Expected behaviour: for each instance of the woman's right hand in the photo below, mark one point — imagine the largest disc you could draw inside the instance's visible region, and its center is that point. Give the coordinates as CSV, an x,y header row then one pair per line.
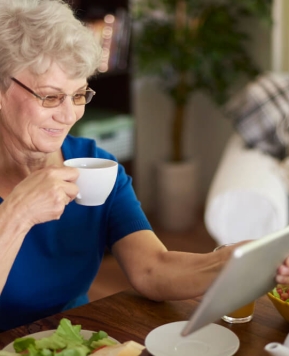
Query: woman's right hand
x,y
43,195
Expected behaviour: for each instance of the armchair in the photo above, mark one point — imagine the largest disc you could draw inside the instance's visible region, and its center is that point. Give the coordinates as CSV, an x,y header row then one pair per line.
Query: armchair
x,y
248,196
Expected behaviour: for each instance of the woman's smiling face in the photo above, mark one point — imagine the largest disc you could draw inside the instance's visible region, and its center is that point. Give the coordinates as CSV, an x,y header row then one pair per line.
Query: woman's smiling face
x,y
30,126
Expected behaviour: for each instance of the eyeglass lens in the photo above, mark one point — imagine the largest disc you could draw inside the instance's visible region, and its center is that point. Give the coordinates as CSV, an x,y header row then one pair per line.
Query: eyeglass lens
x,y
81,98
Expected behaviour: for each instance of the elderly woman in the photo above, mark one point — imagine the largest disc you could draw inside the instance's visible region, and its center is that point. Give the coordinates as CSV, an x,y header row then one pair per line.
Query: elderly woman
x,y
50,247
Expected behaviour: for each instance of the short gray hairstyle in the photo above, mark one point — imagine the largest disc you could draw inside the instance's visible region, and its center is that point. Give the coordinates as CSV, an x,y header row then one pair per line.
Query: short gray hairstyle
x,y
35,33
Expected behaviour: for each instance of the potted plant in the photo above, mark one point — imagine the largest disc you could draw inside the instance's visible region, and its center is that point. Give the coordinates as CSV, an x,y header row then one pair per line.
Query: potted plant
x,y
193,45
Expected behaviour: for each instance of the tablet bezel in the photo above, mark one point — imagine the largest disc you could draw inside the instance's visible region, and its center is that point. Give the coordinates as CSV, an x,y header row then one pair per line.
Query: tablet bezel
x,y
250,272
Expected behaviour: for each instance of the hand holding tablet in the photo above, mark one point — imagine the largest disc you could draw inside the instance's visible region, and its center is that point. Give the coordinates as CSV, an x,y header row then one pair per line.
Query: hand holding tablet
x,y
250,273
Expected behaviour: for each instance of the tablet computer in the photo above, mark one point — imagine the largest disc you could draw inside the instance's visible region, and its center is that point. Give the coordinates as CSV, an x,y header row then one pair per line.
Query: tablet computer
x,y
249,273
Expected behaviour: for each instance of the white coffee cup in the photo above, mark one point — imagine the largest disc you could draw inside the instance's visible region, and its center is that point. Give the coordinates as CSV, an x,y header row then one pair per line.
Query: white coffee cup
x,y
96,179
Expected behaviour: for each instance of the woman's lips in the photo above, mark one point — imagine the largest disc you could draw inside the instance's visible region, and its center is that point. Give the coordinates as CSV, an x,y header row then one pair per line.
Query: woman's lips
x,y
54,132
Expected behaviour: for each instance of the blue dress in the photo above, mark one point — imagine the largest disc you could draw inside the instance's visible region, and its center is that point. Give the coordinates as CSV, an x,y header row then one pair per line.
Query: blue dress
x,y
58,260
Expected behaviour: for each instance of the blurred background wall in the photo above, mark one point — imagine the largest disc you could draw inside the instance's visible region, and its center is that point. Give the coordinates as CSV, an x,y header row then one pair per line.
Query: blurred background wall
x,y
207,130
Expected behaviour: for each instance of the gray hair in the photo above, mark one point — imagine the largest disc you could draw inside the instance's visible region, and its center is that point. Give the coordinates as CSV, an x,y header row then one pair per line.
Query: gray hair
x,y
35,33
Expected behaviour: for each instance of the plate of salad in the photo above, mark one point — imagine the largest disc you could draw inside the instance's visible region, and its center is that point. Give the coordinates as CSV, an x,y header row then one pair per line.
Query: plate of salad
x,y
279,296
66,340
281,291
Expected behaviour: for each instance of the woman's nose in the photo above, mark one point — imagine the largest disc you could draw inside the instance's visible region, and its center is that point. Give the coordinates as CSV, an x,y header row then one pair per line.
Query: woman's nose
x,y
68,113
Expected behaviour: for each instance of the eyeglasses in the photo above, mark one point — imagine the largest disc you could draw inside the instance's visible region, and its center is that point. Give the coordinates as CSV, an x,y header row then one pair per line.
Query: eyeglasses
x,y
82,97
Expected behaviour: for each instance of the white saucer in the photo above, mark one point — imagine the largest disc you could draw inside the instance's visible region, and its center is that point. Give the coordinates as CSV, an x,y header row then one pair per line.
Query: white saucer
x,y
37,336
212,340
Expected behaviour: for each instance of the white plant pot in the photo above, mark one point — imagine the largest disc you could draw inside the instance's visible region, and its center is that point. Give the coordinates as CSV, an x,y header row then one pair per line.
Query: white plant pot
x,y
176,195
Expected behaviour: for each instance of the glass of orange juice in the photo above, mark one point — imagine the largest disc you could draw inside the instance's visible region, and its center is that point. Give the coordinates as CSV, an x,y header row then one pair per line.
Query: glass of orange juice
x,y
243,314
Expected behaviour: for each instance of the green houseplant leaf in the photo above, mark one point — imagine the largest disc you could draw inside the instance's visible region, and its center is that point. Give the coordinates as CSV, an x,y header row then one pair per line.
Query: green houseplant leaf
x,y
193,45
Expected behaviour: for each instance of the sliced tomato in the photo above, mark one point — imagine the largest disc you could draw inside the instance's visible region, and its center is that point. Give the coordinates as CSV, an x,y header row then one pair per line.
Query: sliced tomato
x,y
98,348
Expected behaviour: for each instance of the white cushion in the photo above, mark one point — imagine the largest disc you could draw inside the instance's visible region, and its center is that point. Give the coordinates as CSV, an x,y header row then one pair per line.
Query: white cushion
x,y
248,196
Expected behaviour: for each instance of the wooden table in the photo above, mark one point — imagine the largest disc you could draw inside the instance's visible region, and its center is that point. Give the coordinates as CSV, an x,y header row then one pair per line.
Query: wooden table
x,y
128,316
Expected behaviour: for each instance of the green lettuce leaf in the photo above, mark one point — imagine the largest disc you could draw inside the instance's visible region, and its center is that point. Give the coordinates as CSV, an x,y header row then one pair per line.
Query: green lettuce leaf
x,y
103,342
65,341
275,293
22,343
68,330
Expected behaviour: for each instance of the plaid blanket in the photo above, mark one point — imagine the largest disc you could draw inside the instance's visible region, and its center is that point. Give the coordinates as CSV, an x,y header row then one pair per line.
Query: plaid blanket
x,y
260,114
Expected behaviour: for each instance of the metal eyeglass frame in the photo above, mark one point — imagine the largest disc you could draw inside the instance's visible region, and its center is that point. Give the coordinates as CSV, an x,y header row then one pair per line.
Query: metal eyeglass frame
x,y
61,100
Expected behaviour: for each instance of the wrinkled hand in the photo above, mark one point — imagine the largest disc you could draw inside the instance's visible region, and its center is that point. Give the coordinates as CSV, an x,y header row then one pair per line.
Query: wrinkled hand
x,y
282,276
43,195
